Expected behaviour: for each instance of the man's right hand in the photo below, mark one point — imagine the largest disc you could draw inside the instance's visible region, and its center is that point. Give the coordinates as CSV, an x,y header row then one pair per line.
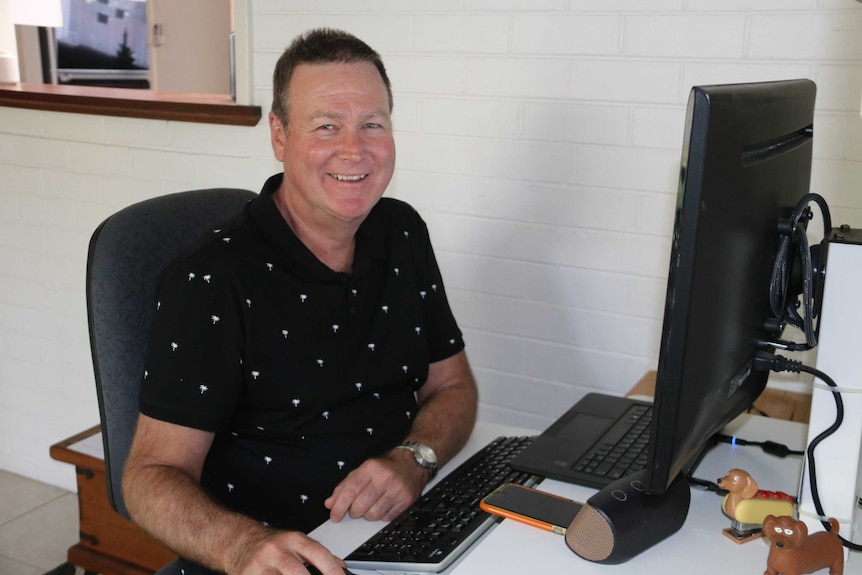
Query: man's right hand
x,y
285,553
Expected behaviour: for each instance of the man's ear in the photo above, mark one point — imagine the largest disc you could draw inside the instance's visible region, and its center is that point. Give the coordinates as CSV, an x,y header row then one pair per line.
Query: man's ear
x,y
278,136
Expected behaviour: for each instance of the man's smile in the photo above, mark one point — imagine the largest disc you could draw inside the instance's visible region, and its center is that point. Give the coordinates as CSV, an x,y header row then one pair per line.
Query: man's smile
x,y
347,178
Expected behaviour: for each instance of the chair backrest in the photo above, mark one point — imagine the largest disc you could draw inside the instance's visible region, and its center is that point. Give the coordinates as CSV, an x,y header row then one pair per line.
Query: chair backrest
x,y
127,255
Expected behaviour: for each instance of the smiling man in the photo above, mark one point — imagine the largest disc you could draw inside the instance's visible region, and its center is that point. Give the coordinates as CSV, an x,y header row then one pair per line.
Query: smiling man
x,y
335,380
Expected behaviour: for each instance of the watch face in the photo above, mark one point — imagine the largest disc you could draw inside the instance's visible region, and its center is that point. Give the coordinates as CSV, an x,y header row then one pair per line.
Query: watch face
x,y
427,454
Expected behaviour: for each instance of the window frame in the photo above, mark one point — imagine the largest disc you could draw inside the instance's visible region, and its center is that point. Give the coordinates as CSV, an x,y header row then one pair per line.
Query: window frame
x,y
130,103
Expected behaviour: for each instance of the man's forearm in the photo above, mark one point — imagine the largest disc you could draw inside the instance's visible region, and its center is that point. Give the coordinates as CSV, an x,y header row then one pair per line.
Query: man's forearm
x,y
447,413
171,506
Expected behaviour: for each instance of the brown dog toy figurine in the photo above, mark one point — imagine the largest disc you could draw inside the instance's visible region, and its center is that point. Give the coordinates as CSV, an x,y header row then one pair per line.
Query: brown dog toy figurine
x,y
794,552
747,505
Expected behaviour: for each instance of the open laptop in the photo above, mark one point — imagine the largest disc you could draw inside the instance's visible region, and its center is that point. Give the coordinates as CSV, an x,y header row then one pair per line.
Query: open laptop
x,y
598,424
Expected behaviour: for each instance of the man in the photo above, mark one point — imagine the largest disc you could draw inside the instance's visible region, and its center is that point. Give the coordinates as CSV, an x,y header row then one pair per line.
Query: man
x,y
297,348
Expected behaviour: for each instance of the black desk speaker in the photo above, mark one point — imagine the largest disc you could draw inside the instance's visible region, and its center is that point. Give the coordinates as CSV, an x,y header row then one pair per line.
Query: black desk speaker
x,y
621,521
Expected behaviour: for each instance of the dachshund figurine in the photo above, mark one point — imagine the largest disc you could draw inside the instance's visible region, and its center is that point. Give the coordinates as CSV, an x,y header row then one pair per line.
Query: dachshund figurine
x,y
794,552
747,505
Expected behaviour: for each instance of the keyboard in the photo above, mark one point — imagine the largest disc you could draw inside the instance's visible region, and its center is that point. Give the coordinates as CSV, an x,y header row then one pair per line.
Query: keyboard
x,y
446,520
623,449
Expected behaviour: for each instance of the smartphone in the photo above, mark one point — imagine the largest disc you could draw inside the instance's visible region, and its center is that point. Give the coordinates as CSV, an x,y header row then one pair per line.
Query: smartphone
x,y
537,508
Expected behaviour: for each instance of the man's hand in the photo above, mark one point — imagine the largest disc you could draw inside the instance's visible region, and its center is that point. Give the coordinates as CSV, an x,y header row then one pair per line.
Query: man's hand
x,y
285,552
383,487
380,488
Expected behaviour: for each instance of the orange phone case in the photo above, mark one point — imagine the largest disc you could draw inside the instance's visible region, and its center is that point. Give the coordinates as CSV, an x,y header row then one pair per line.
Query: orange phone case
x,y
489,508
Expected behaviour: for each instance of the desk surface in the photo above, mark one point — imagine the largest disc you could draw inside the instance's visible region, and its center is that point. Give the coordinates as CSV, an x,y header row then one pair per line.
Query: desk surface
x,y
516,549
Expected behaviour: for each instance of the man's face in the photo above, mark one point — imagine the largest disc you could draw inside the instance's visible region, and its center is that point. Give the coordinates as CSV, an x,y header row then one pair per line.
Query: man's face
x,y
338,151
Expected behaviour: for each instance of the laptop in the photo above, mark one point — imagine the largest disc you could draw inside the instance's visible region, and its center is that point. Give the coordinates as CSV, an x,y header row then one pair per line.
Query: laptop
x,y
597,425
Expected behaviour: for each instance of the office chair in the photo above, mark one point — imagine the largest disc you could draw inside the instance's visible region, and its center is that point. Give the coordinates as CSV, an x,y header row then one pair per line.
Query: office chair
x,y
127,254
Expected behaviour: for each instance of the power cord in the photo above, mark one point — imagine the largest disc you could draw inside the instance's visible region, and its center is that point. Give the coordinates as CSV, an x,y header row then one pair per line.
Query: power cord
x,y
706,485
794,228
764,361
770,447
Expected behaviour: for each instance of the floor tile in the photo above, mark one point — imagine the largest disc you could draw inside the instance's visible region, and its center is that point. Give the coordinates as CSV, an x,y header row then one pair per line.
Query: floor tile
x,y
18,495
9,566
42,536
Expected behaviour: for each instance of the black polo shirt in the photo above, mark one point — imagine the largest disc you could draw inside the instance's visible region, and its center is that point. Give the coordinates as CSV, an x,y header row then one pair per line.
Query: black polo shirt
x,y
302,372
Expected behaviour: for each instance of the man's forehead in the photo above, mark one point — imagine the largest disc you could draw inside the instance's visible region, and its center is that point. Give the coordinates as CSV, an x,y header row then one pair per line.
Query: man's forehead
x,y
324,89
339,115
331,70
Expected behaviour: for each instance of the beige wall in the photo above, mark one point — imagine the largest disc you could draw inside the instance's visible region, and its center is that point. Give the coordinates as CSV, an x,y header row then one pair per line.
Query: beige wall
x,y
193,53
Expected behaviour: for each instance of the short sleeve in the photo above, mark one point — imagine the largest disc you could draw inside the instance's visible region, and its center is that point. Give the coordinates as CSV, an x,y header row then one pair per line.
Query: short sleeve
x,y
193,371
444,336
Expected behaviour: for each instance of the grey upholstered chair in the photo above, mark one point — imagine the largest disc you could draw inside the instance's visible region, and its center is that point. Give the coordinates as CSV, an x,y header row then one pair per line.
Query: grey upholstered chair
x,y
127,254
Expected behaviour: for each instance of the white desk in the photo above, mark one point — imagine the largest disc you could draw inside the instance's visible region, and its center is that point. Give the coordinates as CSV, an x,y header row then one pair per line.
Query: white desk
x,y
518,549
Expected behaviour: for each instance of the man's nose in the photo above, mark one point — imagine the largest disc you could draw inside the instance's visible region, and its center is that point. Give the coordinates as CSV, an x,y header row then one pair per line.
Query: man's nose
x,y
351,146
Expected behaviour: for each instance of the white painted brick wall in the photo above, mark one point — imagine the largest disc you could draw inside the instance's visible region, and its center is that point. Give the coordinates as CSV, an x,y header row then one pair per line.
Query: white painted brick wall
x,y
551,33
539,138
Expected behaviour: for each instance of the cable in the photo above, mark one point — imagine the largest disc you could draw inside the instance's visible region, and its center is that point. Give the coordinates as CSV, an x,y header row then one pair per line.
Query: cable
x,y
779,285
781,363
706,485
770,447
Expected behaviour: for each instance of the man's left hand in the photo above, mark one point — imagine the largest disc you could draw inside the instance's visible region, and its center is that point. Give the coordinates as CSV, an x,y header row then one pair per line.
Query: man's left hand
x,y
379,489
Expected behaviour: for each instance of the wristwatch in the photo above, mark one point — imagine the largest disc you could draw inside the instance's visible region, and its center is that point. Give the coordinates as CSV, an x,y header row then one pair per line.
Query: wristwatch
x,y
423,454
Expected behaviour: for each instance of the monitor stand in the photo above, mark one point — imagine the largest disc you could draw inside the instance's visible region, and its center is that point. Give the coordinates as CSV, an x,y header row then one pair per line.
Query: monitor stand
x,y
621,521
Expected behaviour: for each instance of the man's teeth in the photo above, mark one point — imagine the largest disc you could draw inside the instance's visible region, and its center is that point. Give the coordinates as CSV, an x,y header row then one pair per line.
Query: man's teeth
x,y
343,178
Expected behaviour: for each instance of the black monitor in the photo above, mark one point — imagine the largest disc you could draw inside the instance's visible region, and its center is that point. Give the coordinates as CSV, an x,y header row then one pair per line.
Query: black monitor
x,y
746,163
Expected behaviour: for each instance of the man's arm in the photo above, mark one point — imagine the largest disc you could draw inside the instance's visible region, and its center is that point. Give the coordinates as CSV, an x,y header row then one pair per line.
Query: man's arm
x,y
161,487
447,407
383,487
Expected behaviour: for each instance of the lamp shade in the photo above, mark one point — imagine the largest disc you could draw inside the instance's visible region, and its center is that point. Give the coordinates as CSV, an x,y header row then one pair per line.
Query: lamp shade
x,y
47,13
9,73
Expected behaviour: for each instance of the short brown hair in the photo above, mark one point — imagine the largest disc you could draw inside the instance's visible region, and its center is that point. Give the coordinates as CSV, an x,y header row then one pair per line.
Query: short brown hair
x,y
321,46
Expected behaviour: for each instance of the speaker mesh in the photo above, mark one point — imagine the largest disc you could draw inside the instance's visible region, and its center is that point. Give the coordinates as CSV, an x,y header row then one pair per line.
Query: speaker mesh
x,y
590,535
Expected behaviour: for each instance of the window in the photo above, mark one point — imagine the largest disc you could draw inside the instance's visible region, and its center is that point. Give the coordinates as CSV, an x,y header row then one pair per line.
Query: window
x,y
215,108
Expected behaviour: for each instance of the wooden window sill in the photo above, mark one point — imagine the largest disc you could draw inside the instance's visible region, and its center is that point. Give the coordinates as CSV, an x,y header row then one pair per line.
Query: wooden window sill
x,y
204,108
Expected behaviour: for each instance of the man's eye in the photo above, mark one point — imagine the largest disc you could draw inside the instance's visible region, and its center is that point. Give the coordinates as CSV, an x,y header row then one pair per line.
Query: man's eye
x,y
326,127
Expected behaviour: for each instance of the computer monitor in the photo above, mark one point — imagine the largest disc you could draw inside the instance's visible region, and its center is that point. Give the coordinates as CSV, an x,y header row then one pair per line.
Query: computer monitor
x,y
746,163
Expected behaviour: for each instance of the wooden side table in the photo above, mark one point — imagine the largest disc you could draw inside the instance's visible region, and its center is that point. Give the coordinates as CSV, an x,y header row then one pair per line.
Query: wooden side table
x,y
109,544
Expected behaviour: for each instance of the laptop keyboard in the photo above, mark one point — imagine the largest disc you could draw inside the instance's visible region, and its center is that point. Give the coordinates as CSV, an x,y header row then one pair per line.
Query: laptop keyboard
x,y
446,520
623,449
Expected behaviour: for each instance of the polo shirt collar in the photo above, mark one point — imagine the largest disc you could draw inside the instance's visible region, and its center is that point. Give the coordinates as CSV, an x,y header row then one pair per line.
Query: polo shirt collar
x,y
370,238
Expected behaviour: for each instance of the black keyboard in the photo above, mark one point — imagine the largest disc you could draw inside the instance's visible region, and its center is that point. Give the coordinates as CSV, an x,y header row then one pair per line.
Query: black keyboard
x,y
623,449
446,520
